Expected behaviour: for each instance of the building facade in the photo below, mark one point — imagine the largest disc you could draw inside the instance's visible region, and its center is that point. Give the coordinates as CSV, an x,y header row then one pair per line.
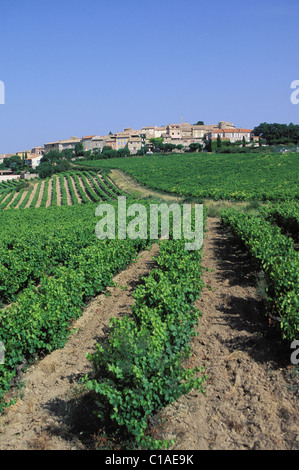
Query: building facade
x,y
182,134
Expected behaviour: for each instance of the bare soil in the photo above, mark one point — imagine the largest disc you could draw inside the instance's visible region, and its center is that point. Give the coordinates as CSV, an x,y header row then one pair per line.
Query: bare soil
x,y
41,192
32,195
251,394
58,190
49,199
68,195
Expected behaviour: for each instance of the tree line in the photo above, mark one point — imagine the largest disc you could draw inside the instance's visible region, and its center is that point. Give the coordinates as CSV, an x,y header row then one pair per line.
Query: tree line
x,y
275,134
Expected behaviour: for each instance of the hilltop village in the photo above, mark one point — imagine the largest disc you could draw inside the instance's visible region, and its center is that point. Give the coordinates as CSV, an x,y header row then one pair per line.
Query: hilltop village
x,y
179,135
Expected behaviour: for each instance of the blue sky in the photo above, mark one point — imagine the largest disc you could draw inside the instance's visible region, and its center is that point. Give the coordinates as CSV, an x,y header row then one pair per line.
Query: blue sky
x,y
75,68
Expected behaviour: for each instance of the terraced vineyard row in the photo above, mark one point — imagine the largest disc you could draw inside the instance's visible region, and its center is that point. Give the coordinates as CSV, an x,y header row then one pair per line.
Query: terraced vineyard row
x,y
60,190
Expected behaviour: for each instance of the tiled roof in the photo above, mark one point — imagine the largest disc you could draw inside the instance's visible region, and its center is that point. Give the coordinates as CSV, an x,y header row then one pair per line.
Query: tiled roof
x,y
218,131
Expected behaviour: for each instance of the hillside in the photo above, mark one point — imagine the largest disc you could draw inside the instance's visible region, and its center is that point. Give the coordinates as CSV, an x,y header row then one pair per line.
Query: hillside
x,y
216,176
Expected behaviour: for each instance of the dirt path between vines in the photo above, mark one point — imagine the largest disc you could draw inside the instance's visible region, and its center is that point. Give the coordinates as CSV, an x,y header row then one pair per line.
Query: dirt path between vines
x,y
49,198
32,194
68,194
41,193
129,185
251,395
50,415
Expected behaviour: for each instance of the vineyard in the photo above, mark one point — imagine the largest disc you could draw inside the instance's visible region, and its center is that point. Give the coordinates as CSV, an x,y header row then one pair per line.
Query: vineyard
x,y
235,177
60,190
52,267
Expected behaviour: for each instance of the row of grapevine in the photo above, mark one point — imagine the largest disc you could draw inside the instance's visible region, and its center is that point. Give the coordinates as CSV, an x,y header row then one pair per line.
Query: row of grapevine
x,y
51,264
285,215
8,185
141,369
65,189
277,257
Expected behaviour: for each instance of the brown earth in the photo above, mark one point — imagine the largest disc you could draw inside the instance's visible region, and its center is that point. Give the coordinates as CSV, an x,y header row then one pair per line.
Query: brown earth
x,y
68,195
32,195
251,394
58,191
41,193
49,198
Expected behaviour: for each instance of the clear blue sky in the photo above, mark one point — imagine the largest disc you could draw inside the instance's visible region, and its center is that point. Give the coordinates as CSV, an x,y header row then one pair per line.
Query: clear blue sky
x,y
75,68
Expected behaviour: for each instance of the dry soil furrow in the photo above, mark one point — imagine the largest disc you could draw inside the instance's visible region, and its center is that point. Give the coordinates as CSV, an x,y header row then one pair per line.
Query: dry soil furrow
x,y
31,196
58,190
68,194
251,399
49,200
41,192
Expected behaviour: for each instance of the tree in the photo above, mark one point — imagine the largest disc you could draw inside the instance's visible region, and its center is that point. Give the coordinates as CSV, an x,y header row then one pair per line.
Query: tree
x,y
278,133
157,143
199,123
106,148
14,163
195,147
45,170
218,141
125,152
52,156
168,147
79,151
67,154
62,166
144,149
243,142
